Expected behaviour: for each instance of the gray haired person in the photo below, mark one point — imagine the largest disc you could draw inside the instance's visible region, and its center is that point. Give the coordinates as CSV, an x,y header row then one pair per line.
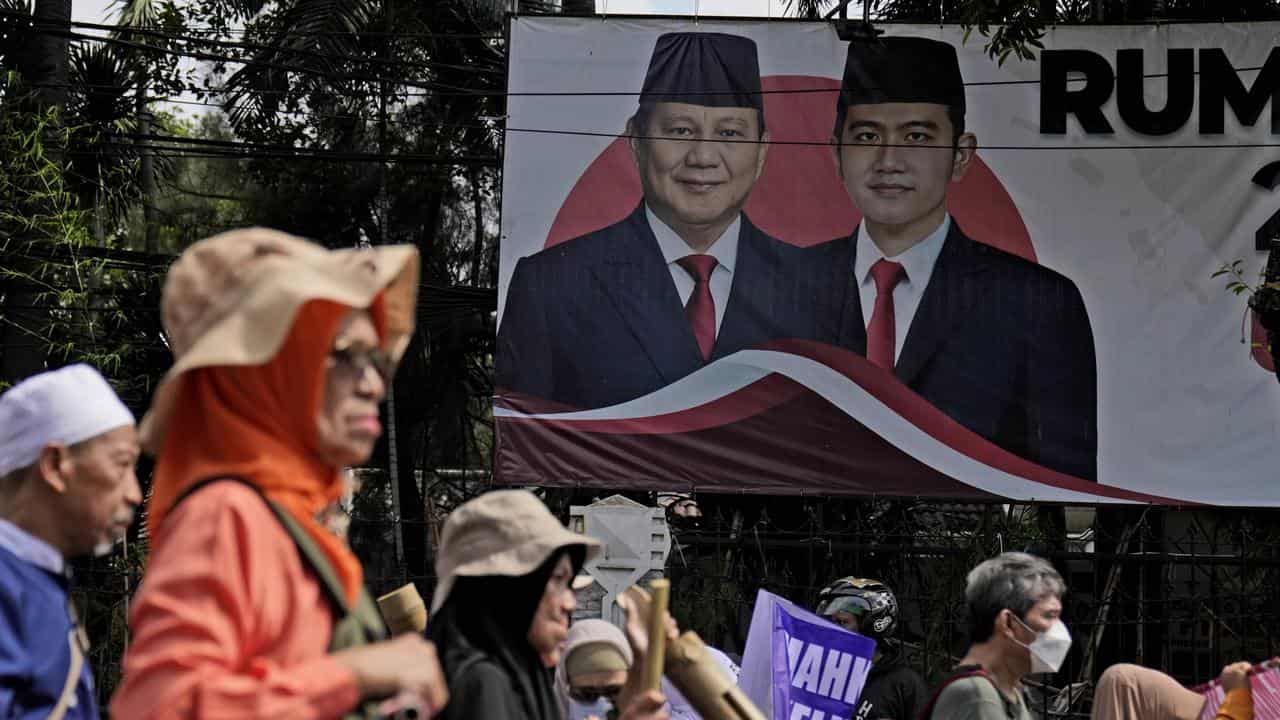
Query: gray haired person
x,y
1015,608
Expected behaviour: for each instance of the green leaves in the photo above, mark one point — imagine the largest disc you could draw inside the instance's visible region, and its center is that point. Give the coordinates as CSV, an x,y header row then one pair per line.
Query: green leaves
x,y
1019,27
1236,283
1263,297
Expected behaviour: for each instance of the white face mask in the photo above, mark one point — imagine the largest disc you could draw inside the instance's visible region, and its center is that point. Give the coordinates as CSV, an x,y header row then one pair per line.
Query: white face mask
x,y
1049,649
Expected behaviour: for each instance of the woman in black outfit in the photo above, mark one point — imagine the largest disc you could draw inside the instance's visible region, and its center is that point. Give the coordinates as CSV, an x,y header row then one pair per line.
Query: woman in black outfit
x,y
502,607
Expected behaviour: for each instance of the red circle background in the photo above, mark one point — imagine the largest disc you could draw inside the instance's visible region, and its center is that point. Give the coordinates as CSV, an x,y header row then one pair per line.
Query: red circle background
x,y
799,198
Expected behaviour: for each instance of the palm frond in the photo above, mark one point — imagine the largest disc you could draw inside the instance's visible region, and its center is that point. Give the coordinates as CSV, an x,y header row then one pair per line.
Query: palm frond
x,y
317,37
811,9
101,116
104,77
137,13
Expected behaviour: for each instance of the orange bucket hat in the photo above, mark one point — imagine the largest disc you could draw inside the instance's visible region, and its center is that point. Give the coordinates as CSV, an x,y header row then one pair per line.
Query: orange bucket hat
x,y
231,299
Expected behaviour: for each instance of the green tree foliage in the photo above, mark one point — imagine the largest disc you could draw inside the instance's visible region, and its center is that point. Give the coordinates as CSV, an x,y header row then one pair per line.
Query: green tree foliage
x,y
392,105
197,196
88,294
1013,28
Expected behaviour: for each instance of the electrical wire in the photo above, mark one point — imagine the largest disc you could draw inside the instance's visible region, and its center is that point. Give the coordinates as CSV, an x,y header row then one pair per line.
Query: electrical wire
x,y
153,32
732,141
468,91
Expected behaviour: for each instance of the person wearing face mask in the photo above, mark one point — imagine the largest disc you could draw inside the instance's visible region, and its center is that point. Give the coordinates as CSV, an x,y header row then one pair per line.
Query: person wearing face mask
x,y
250,606
67,489
593,668
893,691
500,612
1015,608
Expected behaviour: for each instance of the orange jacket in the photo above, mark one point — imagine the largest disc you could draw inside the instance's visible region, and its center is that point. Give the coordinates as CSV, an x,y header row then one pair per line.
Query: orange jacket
x,y
229,623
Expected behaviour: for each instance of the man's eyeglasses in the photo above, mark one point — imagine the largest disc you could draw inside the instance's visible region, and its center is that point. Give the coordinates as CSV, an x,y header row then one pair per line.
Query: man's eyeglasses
x,y
356,359
589,694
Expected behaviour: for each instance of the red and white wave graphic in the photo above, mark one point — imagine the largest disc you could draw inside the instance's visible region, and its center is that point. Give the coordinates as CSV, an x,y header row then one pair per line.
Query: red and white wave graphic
x,y
793,418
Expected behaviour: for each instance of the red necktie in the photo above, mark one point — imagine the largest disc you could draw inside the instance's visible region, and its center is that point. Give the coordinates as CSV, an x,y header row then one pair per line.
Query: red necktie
x,y
701,308
880,331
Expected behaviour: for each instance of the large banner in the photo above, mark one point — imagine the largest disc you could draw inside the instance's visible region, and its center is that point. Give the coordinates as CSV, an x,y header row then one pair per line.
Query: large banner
x,y
750,257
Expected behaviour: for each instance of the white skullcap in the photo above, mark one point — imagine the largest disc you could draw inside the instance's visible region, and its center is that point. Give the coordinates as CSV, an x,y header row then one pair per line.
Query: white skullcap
x,y
66,406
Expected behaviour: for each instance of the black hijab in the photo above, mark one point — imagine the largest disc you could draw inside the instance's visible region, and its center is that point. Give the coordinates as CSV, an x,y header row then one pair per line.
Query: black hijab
x,y
488,617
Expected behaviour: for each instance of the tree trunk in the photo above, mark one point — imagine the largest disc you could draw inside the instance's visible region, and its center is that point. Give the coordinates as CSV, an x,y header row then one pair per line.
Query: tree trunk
x,y
44,68
148,173
477,248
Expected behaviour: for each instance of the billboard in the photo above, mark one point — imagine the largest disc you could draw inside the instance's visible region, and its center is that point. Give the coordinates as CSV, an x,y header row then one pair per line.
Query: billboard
x,y
746,256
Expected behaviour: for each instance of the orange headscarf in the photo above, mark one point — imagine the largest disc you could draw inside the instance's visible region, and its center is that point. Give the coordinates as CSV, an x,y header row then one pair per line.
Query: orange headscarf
x,y
258,424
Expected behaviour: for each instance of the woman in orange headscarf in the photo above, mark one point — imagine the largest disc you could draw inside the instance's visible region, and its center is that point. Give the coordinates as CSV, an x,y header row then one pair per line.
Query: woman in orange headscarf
x,y
250,607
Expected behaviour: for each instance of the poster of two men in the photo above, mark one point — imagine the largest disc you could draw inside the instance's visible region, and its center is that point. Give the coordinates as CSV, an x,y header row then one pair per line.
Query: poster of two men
x,y
1000,344
748,256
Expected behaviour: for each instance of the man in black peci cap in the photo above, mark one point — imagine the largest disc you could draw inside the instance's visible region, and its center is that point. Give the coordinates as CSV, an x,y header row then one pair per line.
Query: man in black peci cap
x,y
1000,344
686,278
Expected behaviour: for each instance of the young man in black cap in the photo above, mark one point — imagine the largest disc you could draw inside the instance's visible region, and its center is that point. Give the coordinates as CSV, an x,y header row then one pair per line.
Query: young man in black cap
x,y
1000,344
686,278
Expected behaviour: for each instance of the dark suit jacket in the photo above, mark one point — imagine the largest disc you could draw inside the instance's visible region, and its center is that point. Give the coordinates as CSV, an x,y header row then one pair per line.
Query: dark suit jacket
x,y
1000,344
597,320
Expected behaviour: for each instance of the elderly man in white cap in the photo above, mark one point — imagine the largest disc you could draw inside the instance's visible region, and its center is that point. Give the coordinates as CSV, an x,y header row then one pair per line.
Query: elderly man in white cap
x,y
67,488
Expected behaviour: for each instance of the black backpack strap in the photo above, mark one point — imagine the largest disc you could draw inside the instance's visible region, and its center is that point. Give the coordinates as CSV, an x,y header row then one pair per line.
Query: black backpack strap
x,y
367,620
961,673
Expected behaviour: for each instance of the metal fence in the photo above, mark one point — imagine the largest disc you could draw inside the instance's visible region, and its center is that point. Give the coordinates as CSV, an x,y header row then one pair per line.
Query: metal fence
x,y
1184,591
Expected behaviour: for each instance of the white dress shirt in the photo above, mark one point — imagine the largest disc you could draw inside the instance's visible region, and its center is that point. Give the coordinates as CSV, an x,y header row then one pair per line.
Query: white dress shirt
x,y
917,263
725,251
30,549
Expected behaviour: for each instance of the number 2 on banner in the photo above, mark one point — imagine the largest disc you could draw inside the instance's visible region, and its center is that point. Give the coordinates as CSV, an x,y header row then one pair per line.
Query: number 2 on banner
x,y
1268,177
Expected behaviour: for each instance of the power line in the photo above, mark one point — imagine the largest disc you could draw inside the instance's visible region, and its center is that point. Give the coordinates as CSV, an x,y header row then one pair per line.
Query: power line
x,y
590,133
436,88
230,149
313,114
153,32
810,143
225,90
215,149
448,90
304,33
256,151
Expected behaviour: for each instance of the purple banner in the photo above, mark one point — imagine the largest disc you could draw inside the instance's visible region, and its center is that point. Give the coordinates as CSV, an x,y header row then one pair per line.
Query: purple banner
x,y
1264,686
818,669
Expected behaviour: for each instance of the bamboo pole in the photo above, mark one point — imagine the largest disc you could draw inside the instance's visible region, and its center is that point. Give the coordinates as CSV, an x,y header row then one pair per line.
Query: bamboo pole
x,y
660,591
